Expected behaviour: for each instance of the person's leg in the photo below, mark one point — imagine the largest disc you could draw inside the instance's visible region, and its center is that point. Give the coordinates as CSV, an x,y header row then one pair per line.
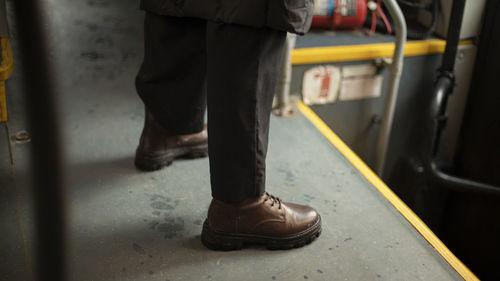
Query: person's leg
x,y
172,85
171,81
243,65
242,70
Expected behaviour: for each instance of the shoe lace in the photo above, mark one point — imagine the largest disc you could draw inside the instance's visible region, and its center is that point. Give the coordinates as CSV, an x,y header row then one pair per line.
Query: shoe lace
x,y
273,200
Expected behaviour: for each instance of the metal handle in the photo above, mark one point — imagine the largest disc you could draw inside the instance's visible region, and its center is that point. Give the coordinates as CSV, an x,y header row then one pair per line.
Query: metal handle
x,y
392,91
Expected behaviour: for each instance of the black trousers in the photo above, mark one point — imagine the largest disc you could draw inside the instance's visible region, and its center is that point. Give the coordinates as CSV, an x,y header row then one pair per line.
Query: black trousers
x,y
190,64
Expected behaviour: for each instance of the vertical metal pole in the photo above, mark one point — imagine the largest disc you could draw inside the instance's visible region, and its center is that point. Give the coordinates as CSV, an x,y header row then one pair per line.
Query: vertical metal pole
x,y
43,125
392,92
283,107
453,35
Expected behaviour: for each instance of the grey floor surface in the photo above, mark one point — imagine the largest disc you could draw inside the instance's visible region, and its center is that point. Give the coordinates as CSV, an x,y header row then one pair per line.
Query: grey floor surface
x,y
130,225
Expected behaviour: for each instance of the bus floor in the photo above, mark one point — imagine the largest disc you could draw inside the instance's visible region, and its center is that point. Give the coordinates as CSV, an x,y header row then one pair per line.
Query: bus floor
x,y
131,225
124,224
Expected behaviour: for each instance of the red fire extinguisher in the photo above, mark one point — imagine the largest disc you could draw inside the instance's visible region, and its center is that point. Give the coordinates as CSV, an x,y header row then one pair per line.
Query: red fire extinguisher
x,y
339,14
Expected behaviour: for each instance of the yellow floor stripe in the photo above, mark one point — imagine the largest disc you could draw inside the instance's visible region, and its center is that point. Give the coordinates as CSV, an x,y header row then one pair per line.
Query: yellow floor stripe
x,y
7,62
417,223
6,69
366,51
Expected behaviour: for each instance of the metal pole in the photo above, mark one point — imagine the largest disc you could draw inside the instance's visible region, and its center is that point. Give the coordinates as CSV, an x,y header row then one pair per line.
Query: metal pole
x,y
47,184
453,36
442,89
283,107
392,91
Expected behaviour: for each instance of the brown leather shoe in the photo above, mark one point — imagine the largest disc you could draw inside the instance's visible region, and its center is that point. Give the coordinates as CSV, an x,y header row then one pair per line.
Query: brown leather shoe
x,y
157,148
263,220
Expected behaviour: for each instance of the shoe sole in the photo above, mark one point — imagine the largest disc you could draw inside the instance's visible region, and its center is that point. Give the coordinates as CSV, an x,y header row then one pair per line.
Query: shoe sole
x,y
151,162
221,241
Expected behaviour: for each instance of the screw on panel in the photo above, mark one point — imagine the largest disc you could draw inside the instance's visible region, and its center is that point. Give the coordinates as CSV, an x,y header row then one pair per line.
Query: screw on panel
x,y
21,137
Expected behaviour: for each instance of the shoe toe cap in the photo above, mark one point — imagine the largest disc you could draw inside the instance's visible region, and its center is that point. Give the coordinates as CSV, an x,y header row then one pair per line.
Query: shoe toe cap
x,y
303,216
